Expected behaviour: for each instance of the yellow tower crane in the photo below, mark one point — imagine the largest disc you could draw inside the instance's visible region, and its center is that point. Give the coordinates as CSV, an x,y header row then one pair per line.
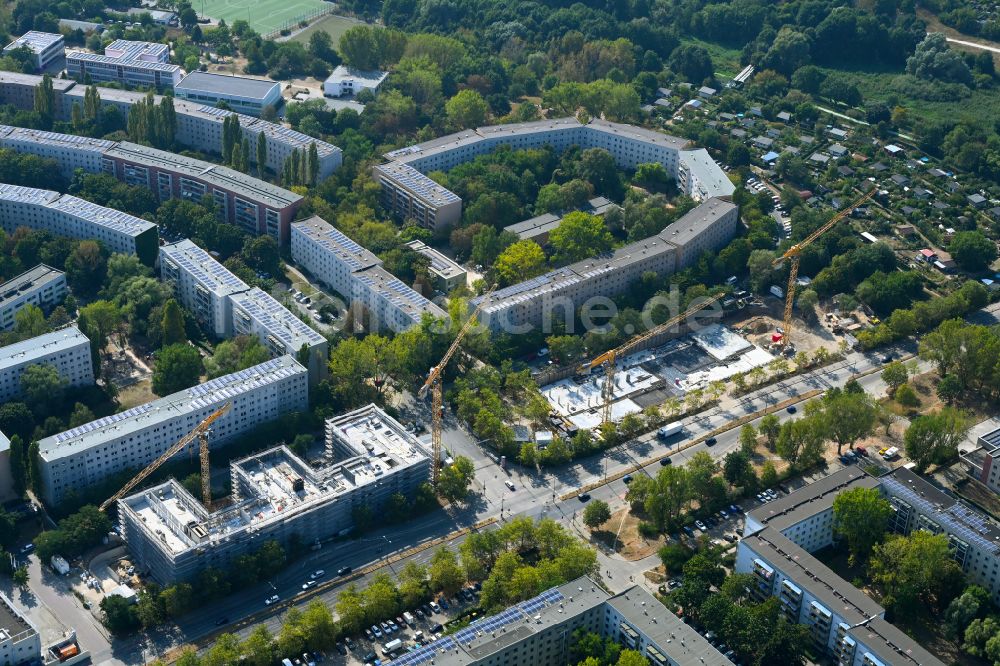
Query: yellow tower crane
x,y
201,434
433,382
794,254
611,356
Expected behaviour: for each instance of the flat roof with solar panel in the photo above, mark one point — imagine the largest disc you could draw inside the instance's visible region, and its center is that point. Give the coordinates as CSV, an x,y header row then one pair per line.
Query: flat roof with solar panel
x,y
333,240
54,139
201,266
220,84
278,320
389,287
110,218
284,134
31,280
167,408
42,346
416,182
38,42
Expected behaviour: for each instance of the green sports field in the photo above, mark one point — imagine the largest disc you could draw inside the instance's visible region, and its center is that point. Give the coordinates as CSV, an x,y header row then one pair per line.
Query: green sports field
x,y
265,16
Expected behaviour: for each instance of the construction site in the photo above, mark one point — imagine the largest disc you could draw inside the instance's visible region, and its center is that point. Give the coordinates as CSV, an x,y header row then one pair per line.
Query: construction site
x,y
369,456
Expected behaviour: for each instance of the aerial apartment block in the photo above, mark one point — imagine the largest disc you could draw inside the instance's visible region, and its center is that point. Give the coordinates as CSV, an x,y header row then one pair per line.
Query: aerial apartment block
x,y
369,457
44,46
67,350
780,537
524,306
128,63
226,306
66,215
84,456
18,90
357,275
255,206
41,286
70,151
241,93
411,194
447,272
7,491
20,642
201,284
540,631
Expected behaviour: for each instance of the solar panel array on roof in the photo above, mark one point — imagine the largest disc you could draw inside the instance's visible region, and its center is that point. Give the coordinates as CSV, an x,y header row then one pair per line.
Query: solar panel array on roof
x,y
103,422
30,195
513,615
113,219
424,654
54,138
276,318
285,134
419,184
203,267
956,519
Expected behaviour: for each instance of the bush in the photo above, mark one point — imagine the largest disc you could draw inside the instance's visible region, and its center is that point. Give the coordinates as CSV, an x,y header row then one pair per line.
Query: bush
x,y
648,530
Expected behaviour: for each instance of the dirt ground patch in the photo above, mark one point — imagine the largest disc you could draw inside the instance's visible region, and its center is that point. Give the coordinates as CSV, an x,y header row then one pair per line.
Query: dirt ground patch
x,y
621,534
759,327
935,25
137,394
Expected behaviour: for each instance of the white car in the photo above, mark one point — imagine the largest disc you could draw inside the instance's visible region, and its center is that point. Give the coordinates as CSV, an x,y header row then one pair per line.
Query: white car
x,y
308,585
319,573
700,525
273,599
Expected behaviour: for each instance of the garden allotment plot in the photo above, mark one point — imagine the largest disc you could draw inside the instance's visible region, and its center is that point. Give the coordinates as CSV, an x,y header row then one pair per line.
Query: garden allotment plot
x,y
265,16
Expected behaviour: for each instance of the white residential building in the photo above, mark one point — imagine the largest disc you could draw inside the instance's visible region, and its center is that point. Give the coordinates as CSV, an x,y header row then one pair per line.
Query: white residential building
x,y
20,642
70,151
329,255
45,46
67,350
66,215
42,286
348,81
201,284
255,312
391,303
129,63
369,457
79,458
447,273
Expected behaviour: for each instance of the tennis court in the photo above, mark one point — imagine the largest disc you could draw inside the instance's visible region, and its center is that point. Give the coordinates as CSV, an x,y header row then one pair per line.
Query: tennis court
x,y
265,16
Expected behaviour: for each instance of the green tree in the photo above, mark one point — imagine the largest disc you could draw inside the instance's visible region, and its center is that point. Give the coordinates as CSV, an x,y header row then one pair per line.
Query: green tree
x,y
467,109
596,513
381,597
521,261
737,470
631,658
261,157
456,479
20,577
861,517
18,460
42,384
579,236
45,100
964,608
120,617
972,250
748,440
351,609
29,322
446,575
848,417
934,438
895,375
413,584
177,367
915,573
173,323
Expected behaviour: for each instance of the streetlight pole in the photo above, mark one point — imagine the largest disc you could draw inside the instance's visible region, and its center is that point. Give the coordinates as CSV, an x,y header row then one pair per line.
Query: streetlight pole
x,y
387,553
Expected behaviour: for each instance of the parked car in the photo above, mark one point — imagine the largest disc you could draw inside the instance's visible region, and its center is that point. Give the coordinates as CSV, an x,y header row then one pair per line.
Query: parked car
x,y
309,584
273,599
444,603
735,510
711,441
627,478
376,631
700,525
369,634
319,573
343,571
665,461
583,497
435,607
791,409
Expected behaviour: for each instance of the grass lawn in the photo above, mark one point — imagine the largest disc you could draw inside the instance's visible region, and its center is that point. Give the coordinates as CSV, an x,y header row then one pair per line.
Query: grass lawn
x,y
332,24
265,16
726,60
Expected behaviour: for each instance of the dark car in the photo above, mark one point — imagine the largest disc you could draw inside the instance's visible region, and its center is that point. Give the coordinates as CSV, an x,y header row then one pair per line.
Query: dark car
x,y
665,461
688,530
221,621
791,409
443,603
887,358
419,613
370,657
341,648
627,478
343,571
437,628
583,497
711,441
427,610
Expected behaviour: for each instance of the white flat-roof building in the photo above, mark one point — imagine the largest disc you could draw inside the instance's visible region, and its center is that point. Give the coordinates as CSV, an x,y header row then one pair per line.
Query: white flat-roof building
x,y
66,215
70,151
558,294
255,312
129,63
329,255
408,193
391,303
447,273
369,457
241,93
45,46
201,284
20,642
42,286
67,350
79,458
347,81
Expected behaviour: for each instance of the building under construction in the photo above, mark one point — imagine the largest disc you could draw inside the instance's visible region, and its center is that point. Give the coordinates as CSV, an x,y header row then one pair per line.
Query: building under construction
x,y
369,456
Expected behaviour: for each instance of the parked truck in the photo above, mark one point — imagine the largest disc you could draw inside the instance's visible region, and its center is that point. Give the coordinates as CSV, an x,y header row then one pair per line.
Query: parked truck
x,y
392,646
59,565
777,291
670,430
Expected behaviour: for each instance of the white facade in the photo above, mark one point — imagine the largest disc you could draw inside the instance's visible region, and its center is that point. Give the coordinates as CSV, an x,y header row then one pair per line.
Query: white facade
x,y
201,284
447,273
348,81
71,152
329,255
145,64
42,286
20,642
89,454
66,215
390,303
46,46
242,94
67,350
276,495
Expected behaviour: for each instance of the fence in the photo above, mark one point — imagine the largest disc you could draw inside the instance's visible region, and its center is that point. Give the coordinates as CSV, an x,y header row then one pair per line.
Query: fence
x,y
293,23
